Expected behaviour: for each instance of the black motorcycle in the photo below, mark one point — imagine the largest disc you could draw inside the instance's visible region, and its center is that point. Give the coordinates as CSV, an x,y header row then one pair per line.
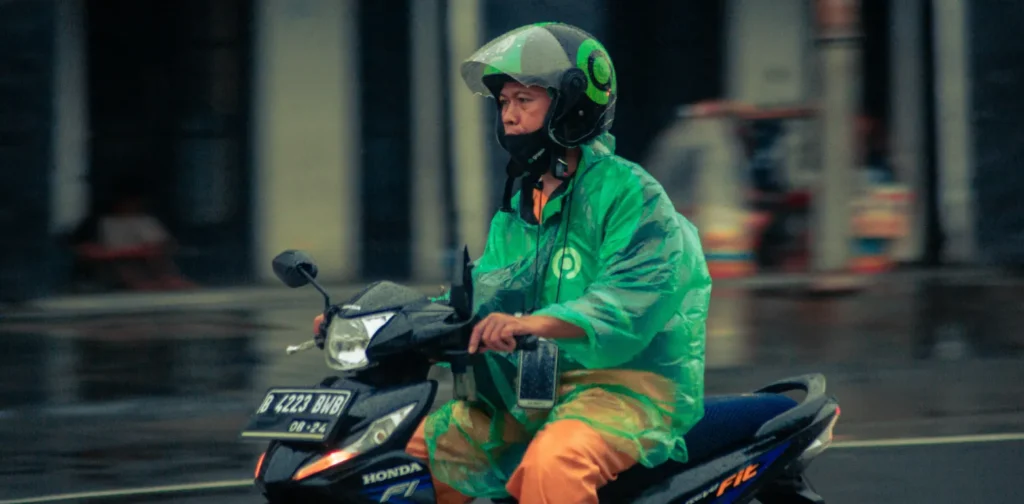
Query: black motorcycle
x,y
344,439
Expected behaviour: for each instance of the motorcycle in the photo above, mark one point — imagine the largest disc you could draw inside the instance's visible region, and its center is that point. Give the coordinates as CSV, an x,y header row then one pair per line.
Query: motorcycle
x,y
344,439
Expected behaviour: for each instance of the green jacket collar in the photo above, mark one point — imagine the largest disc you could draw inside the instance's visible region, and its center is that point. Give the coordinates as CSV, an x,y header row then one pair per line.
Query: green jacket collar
x,y
601,147
593,152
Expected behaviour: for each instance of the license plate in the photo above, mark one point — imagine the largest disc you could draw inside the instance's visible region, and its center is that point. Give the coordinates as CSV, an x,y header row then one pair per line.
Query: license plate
x,y
298,414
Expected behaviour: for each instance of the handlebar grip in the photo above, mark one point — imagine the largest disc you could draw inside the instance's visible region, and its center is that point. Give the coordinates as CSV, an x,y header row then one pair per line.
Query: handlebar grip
x,y
527,343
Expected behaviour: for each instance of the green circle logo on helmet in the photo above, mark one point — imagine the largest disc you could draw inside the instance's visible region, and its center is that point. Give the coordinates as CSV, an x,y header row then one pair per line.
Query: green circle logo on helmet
x,y
600,74
570,63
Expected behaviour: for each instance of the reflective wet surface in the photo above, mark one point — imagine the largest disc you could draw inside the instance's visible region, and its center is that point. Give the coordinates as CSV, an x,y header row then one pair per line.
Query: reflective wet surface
x,y
137,401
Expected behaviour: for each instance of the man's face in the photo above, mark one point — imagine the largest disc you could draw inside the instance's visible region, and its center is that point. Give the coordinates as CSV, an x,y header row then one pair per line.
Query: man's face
x,y
523,108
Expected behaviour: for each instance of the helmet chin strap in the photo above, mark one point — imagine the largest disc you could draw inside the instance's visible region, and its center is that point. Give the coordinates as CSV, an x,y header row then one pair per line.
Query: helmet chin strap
x,y
556,165
560,169
531,155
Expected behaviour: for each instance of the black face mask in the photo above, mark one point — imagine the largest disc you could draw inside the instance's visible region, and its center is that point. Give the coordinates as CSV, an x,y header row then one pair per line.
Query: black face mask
x,y
533,155
530,152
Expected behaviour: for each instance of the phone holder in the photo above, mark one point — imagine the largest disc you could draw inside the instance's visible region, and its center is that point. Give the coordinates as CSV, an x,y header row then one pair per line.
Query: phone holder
x,y
464,381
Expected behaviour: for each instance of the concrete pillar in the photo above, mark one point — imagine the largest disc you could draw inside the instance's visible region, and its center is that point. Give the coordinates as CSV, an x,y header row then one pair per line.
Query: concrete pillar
x,y
307,134
70,200
473,205
953,116
428,137
839,47
767,51
770,64
906,46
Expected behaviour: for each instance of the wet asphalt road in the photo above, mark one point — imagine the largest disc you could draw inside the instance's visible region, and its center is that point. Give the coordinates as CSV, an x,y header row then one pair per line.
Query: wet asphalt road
x,y
123,402
926,474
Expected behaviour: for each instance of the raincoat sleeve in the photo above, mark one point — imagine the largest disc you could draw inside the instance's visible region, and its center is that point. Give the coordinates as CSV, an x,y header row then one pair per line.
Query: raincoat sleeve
x,y
645,269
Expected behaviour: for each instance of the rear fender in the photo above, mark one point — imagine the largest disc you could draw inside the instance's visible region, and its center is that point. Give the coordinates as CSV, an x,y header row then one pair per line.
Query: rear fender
x,y
804,413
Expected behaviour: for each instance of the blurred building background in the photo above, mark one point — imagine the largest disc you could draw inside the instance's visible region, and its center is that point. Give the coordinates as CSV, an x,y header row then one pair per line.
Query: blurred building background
x,y
341,127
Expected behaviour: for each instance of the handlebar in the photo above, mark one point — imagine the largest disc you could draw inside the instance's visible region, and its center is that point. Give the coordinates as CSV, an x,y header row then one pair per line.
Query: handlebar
x,y
528,343
524,342
464,386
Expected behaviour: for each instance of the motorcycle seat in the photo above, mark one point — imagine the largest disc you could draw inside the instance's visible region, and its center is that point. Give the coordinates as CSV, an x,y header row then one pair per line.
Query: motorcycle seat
x,y
729,422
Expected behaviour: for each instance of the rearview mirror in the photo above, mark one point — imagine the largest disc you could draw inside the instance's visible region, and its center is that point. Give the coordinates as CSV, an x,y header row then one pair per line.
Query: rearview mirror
x,y
461,294
295,268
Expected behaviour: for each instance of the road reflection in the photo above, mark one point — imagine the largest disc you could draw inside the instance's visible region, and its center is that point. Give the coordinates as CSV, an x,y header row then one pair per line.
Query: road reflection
x,y
130,401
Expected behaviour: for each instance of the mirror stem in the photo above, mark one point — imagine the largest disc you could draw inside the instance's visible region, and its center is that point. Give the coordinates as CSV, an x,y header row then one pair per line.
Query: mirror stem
x,y
317,286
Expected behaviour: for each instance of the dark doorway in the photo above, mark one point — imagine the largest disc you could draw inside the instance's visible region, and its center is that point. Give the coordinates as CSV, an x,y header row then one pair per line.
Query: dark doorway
x,y
169,109
935,238
29,259
666,54
995,47
386,182
875,21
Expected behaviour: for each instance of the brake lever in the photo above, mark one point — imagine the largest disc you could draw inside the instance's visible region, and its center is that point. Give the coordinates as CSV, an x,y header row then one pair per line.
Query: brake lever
x,y
301,347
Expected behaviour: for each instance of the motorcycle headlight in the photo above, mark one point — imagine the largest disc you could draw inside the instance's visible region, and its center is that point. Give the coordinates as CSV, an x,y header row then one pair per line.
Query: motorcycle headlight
x,y
347,339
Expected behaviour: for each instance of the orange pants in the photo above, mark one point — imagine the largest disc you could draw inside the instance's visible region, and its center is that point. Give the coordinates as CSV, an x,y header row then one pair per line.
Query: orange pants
x,y
566,462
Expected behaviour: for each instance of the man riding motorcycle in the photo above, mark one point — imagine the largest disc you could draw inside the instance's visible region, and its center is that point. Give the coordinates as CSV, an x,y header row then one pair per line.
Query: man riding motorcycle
x,y
591,255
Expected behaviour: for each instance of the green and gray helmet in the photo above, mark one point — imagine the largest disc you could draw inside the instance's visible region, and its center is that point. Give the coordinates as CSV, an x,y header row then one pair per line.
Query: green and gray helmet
x,y
566,60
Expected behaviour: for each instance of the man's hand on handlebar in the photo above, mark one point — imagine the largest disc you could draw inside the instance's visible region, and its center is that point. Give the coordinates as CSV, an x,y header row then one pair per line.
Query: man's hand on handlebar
x,y
498,331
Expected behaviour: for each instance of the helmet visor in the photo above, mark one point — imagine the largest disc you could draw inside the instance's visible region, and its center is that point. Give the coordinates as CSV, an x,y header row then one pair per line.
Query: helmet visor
x,y
531,55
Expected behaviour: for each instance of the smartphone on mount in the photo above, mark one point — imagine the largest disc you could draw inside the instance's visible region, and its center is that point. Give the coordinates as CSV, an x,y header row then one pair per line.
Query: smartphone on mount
x,y
537,382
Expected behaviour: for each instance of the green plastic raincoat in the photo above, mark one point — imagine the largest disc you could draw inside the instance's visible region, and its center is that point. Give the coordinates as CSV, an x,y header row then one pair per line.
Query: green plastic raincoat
x,y
612,256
